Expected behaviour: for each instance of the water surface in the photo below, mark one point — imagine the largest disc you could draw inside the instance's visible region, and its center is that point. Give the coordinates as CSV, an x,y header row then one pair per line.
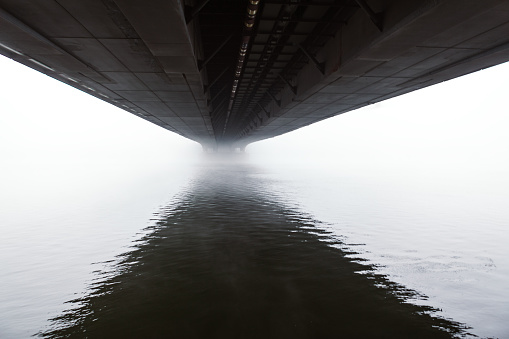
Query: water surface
x,y
242,249
230,258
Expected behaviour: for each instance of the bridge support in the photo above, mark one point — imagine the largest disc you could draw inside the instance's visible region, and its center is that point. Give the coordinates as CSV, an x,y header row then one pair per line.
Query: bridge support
x,y
209,149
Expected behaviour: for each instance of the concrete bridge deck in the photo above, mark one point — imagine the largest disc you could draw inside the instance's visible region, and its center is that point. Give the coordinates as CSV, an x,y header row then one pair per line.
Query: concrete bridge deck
x,y
232,72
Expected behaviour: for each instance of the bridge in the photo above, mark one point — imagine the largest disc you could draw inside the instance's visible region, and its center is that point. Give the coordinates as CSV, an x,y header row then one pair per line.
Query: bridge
x,y
226,73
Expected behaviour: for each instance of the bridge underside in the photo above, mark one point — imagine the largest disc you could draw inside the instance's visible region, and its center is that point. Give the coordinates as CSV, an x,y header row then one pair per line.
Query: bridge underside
x,y
232,72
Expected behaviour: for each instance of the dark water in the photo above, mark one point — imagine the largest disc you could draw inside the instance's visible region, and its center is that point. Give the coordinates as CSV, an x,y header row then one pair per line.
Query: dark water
x,y
229,258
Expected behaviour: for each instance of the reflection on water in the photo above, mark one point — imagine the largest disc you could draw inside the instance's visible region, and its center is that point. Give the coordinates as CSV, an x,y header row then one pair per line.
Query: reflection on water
x,y
230,259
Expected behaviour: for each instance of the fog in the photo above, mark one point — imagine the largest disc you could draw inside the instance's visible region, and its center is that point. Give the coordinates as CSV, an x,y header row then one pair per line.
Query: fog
x,y
44,120
80,179
459,125
55,137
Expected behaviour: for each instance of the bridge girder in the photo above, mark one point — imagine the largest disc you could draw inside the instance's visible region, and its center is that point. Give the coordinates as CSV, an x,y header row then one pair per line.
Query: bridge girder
x,y
232,72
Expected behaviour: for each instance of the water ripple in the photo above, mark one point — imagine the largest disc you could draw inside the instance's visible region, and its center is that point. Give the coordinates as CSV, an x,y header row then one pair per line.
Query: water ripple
x,y
230,259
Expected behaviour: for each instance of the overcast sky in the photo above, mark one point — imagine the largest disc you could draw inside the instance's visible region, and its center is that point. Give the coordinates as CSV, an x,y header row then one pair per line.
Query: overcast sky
x,y
459,124
463,122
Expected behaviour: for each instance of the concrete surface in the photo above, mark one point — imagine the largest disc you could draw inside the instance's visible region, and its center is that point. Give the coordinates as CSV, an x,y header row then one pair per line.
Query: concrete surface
x,y
172,64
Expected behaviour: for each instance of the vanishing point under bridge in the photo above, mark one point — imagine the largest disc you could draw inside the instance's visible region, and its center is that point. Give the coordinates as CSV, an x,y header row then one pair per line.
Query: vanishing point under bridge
x,y
227,73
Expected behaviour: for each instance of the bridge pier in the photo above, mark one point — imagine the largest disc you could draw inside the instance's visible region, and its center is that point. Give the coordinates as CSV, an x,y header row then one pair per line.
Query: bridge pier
x,y
223,149
238,149
209,149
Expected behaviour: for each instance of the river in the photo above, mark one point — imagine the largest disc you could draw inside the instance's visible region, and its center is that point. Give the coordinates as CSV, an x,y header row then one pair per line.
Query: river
x,y
229,247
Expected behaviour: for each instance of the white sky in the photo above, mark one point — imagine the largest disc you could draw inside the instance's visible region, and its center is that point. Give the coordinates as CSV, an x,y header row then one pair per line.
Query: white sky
x,y
42,119
456,125
463,122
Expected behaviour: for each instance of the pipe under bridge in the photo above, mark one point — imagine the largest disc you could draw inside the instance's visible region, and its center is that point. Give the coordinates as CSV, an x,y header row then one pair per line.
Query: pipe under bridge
x,y
227,73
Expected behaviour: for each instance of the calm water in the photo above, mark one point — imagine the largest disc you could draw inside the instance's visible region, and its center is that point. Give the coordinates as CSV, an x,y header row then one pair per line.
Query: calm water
x,y
237,250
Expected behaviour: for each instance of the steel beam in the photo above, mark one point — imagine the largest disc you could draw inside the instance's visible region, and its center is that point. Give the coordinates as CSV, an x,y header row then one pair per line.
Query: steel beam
x,y
216,79
319,65
193,12
292,87
278,102
202,64
375,17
